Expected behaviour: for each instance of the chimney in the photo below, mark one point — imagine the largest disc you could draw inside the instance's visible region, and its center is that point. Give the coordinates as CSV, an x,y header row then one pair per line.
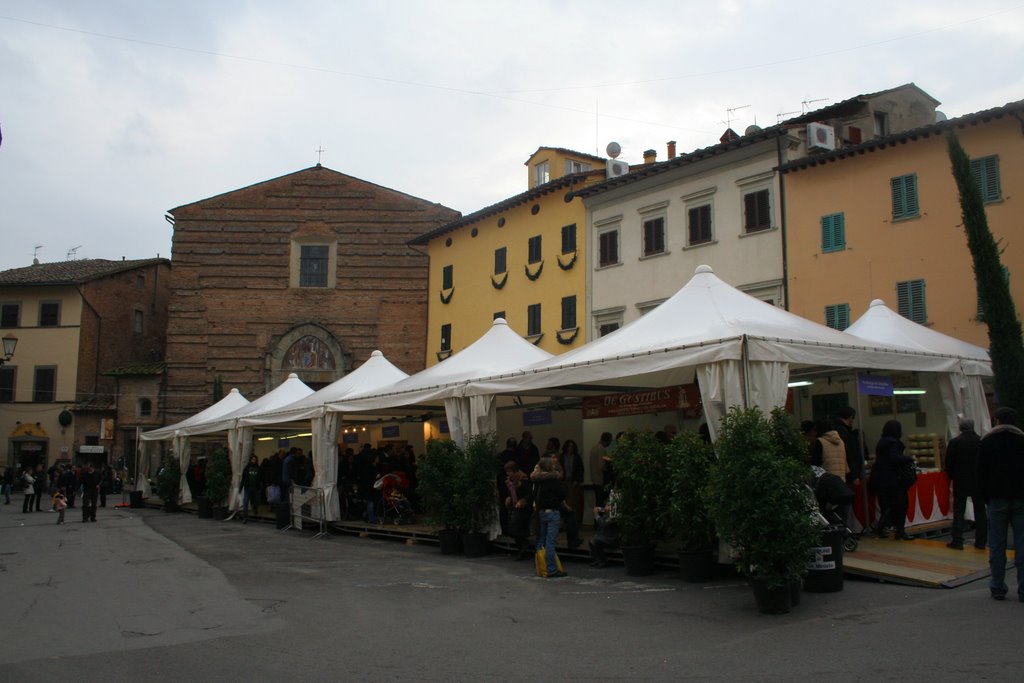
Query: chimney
x,y
671,149
650,156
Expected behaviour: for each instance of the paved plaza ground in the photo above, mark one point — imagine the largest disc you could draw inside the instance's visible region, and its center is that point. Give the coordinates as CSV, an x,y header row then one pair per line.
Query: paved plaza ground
x,y
145,595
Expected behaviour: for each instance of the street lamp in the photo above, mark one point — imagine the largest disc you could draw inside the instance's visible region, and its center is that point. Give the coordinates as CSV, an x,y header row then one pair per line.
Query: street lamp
x,y
9,344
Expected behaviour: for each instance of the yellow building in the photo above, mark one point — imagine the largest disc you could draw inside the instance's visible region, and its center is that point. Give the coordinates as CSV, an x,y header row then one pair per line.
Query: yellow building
x,y
521,259
882,220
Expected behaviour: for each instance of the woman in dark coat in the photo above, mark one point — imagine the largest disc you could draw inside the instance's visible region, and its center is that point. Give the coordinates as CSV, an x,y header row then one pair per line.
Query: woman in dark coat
x,y
892,492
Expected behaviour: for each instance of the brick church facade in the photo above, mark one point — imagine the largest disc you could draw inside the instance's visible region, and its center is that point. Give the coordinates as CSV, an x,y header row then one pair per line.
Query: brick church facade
x,y
306,273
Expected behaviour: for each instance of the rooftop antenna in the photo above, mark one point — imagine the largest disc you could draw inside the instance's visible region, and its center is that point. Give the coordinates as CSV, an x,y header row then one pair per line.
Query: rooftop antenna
x,y
729,114
805,106
319,153
70,256
35,253
784,114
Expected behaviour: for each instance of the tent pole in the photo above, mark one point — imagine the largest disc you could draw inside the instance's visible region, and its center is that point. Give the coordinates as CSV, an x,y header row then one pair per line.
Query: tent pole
x,y
746,373
860,454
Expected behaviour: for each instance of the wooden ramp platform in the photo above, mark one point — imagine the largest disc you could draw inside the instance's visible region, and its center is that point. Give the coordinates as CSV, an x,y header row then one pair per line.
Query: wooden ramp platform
x,y
922,562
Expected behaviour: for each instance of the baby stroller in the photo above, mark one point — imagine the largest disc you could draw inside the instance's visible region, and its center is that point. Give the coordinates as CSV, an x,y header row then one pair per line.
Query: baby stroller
x,y
834,500
395,504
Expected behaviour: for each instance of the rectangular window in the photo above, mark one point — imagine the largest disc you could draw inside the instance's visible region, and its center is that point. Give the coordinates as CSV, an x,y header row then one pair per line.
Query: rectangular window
x,y
654,236
833,232
986,175
314,260
447,277
756,212
699,226
49,314
10,315
576,166
608,248
533,319
568,238
910,300
904,196
534,255
499,314
446,337
8,375
881,121
837,316
568,312
500,258
541,173
607,328
138,322
140,282
44,388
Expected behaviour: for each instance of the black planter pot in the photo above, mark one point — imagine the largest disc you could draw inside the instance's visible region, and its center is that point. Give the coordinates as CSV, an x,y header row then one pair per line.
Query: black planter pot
x,y
639,559
204,509
775,600
450,541
795,588
697,566
170,506
475,544
220,513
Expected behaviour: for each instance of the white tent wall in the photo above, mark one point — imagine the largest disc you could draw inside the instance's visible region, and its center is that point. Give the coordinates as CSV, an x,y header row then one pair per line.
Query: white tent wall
x,y
147,452
239,449
325,461
182,451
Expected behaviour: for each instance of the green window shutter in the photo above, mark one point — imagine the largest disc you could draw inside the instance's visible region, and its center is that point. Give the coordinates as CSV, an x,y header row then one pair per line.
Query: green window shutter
x,y
910,301
837,316
833,232
904,196
986,175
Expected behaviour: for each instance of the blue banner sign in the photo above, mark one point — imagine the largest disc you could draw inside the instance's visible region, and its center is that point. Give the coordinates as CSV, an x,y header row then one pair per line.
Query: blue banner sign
x,y
351,437
532,418
390,432
444,427
874,385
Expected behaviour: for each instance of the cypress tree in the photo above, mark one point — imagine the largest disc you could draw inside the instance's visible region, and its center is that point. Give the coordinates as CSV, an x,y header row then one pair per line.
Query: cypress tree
x,y
1006,342
218,388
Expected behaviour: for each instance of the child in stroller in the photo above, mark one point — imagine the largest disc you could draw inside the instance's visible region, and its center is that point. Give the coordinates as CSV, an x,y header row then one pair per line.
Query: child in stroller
x,y
834,500
395,503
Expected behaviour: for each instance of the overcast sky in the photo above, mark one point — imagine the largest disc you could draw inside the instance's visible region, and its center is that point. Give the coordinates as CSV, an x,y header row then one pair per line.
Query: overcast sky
x,y
115,111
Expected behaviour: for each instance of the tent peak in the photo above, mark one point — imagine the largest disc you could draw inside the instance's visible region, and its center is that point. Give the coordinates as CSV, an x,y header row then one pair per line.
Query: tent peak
x,y
376,354
499,321
703,269
876,302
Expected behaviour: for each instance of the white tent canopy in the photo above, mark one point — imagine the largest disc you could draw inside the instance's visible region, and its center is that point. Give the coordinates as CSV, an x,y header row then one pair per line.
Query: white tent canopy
x,y
376,372
499,350
740,348
240,437
962,390
230,403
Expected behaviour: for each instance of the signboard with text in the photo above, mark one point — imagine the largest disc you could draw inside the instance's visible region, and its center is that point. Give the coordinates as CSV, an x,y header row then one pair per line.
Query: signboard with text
x,y
685,399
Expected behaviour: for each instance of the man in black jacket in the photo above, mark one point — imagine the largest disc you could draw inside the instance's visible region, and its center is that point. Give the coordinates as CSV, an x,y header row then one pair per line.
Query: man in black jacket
x,y
851,441
1001,484
962,468
90,492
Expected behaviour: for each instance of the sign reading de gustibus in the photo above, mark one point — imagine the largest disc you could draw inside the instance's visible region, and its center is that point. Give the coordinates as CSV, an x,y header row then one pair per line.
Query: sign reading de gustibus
x,y
684,398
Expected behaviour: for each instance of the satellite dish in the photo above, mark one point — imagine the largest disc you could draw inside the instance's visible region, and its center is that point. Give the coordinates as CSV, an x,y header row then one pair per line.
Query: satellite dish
x,y
752,129
613,149
940,116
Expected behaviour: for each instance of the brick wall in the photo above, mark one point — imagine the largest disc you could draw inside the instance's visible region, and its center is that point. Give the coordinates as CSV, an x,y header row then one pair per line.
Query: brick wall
x,y
232,304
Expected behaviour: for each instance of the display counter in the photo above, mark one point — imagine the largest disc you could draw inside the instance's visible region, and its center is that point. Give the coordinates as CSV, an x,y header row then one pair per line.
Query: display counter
x,y
928,501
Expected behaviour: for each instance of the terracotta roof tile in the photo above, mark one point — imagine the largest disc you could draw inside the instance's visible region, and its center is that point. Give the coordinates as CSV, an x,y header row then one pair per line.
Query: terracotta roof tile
x,y
70,272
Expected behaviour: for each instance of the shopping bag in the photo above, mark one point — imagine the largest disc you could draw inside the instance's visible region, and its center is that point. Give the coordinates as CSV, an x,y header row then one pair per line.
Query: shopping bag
x,y
273,494
541,562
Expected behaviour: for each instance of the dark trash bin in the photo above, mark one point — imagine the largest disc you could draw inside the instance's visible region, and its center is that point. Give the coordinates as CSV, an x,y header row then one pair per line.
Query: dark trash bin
x,y
282,513
825,568
135,499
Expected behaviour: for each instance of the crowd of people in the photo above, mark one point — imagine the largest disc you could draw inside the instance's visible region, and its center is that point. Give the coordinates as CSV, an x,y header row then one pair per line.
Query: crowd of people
x,y
61,486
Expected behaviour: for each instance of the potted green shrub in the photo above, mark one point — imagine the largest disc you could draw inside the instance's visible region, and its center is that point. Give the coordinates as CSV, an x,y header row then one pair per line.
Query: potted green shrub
x,y
641,482
437,474
690,460
218,482
168,483
476,495
760,503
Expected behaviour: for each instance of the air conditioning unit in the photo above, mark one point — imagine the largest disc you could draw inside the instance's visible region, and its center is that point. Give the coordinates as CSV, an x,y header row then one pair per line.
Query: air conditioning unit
x,y
820,136
615,168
